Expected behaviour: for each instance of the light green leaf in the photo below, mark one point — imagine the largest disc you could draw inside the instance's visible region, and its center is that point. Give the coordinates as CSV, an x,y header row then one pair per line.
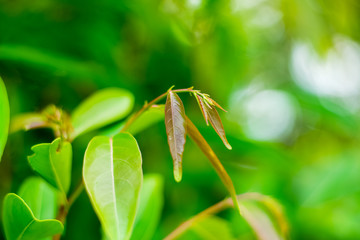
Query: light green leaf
x,y
53,162
112,175
21,224
209,228
151,116
40,196
151,203
4,117
27,121
265,218
104,107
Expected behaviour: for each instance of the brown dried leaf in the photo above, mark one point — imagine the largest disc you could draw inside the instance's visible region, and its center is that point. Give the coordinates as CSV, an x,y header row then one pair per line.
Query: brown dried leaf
x,y
210,154
176,131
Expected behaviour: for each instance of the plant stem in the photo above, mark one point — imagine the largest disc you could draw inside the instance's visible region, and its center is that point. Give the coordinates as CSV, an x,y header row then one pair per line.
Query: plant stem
x,y
218,207
148,105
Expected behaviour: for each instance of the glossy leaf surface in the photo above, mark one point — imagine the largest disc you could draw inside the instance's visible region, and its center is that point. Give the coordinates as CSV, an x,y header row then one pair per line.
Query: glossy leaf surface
x,y
104,107
40,196
4,117
53,162
210,154
21,224
176,131
149,212
112,175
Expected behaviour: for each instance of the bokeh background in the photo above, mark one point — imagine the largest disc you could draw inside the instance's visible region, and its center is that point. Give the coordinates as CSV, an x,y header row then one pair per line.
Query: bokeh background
x,y
287,71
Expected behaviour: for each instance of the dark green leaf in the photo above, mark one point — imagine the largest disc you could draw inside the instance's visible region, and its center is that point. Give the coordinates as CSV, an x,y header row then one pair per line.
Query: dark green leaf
x,y
21,224
176,131
113,176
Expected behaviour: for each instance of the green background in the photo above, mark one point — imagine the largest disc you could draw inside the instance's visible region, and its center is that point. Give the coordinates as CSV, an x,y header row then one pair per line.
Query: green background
x,y
285,70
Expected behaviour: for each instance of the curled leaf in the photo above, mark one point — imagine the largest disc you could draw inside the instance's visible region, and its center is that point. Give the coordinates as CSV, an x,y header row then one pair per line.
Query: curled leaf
x,y
27,121
201,103
176,131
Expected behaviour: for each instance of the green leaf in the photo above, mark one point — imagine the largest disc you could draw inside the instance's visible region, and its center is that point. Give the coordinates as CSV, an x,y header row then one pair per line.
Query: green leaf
x,y
40,196
4,117
112,175
21,224
263,217
210,154
27,121
53,162
176,131
104,107
209,228
150,206
151,116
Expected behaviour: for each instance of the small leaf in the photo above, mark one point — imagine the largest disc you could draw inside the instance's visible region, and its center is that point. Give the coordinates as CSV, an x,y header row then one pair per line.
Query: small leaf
x,y
176,131
216,123
53,162
112,175
20,223
27,121
40,196
149,212
104,107
201,103
4,117
209,153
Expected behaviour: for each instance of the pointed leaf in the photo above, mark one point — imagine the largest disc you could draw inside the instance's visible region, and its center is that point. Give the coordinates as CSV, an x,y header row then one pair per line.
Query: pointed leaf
x,y
209,153
104,107
176,131
151,203
112,175
40,196
201,103
21,224
53,162
4,117
217,124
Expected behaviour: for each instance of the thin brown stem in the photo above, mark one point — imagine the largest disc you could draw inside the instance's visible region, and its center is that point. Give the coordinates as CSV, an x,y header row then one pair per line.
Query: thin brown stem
x,y
218,207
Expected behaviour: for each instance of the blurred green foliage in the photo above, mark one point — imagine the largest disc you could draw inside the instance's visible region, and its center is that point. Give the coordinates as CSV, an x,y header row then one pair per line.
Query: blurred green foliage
x,y
285,70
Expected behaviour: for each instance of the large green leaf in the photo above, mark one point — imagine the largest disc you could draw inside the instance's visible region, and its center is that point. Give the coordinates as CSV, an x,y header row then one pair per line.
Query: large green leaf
x,y
53,162
151,203
112,175
176,131
104,107
40,196
4,117
21,224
